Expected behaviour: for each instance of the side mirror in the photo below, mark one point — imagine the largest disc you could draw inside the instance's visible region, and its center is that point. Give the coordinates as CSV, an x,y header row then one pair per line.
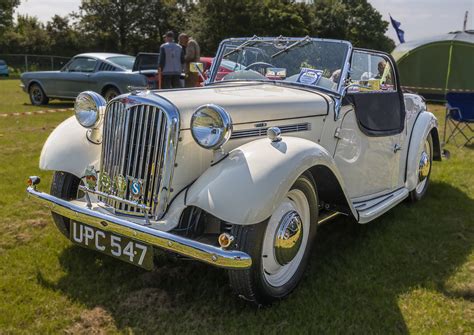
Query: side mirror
x,y
196,67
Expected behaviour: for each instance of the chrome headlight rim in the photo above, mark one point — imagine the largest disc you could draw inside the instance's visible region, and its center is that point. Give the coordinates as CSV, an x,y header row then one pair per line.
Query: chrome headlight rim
x,y
226,129
89,108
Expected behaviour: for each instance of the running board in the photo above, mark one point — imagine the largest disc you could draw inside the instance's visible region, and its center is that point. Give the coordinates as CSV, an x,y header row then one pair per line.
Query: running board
x,y
373,208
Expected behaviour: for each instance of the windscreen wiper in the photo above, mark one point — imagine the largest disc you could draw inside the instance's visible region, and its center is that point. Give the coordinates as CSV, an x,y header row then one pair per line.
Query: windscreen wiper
x,y
243,45
291,46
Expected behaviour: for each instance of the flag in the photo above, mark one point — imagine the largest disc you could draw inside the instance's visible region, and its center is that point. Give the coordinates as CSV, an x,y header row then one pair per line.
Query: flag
x,y
400,33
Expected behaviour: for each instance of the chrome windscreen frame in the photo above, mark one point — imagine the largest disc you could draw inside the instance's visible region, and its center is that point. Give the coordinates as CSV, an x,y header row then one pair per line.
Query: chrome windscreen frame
x,y
342,80
171,113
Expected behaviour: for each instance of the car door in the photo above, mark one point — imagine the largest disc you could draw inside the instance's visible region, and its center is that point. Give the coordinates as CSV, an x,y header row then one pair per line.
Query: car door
x,y
368,150
77,76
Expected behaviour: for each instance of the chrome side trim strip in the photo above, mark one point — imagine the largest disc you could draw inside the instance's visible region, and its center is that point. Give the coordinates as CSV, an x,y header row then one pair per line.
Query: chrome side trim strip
x,y
263,131
229,259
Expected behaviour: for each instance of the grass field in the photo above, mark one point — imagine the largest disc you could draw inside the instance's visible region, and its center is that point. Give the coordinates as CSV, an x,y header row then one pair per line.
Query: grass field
x,y
17,101
411,271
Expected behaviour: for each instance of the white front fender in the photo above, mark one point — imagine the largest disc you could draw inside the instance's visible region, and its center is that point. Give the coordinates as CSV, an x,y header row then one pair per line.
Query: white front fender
x,y
68,149
247,186
425,122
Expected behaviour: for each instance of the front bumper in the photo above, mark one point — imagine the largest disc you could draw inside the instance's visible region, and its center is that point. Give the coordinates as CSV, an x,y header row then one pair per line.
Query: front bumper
x,y
229,259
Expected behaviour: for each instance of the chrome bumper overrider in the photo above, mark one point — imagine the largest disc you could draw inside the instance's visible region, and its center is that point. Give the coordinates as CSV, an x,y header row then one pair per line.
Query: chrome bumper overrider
x,y
230,259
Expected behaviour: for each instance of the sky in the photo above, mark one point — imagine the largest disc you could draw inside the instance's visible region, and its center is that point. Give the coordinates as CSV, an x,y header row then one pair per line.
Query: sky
x,y
419,18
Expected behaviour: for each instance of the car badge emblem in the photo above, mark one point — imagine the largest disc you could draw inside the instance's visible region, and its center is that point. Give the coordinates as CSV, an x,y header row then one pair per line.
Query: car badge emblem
x,y
120,186
104,182
136,189
91,177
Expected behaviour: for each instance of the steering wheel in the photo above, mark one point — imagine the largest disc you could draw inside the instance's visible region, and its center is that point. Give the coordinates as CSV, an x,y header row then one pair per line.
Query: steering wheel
x,y
259,65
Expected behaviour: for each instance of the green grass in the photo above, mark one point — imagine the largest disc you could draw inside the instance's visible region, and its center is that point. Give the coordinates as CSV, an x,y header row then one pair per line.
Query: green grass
x,y
14,100
411,271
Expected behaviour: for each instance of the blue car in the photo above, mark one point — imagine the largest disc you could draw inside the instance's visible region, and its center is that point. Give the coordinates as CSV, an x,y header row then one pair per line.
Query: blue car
x,y
105,73
3,68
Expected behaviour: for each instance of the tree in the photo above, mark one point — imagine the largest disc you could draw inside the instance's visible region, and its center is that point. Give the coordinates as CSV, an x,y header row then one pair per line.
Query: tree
x,y
129,26
7,7
65,41
213,20
27,35
353,20
109,24
160,17
366,28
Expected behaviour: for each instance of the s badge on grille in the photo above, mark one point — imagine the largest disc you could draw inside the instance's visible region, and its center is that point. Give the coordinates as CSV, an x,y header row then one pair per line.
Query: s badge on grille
x,y
136,189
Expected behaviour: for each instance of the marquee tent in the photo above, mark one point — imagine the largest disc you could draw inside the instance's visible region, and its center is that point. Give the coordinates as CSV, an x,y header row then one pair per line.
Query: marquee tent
x,y
437,65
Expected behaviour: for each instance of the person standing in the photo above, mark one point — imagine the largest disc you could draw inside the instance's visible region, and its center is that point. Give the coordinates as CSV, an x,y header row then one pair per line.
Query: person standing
x,y
171,63
193,54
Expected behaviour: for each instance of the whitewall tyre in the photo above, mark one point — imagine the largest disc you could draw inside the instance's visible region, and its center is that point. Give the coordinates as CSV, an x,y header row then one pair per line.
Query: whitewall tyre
x,y
423,170
279,246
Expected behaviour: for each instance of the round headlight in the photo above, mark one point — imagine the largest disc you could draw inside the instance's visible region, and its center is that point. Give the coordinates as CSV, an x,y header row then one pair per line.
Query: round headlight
x,y
89,108
211,126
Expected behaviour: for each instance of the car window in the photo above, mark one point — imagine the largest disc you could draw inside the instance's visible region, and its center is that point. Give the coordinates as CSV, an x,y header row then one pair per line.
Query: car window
x,y
123,61
2,62
371,72
82,64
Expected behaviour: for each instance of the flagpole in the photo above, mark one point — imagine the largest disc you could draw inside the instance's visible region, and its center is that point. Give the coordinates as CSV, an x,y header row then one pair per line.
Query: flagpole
x,y
465,21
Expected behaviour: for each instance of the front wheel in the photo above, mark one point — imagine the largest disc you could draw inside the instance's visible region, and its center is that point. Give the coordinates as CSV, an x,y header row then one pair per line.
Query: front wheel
x,y
64,186
37,95
111,93
279,246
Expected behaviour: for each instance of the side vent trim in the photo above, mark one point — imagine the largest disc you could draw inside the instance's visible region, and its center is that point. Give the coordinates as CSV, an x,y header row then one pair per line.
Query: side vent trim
x,y
263,131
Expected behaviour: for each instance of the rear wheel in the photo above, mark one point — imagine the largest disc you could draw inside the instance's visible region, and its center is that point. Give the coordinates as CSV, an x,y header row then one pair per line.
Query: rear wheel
x,y
37,95
279,246
64,186
423,171
111,93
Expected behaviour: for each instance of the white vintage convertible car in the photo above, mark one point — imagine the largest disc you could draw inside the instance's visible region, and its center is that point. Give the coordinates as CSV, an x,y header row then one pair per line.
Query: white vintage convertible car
x,y
239,173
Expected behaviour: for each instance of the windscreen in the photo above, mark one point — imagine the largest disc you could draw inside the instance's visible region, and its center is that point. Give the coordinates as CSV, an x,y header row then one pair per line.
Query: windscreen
x,y
304,61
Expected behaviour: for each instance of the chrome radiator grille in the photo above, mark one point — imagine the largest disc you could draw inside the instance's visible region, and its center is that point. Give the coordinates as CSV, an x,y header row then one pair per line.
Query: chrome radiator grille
x,y
138,145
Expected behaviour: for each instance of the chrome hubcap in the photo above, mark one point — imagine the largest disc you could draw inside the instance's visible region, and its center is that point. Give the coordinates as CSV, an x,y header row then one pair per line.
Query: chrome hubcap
x,y
285,239
424,168
288,237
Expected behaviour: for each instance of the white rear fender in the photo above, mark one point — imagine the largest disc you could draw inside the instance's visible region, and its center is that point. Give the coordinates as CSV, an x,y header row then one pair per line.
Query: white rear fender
x,y
247,186
424,124
68,149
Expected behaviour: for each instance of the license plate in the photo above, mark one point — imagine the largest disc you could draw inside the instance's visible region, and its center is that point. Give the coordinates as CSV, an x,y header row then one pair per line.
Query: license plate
x,y
118,246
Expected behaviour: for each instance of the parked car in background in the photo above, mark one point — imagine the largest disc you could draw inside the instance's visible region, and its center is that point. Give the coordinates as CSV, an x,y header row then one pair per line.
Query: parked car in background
x,y
225,67
105,73
239,173
3,68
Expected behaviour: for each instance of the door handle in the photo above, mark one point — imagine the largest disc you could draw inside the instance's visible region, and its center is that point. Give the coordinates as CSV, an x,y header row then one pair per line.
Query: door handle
x,y
397,147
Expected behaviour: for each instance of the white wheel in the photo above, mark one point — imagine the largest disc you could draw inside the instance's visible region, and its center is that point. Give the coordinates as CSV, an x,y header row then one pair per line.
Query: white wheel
x,y
279,246
423,170
286,238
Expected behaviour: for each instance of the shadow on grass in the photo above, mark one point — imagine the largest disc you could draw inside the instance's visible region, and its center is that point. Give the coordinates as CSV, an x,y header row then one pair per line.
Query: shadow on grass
x,y
354,282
